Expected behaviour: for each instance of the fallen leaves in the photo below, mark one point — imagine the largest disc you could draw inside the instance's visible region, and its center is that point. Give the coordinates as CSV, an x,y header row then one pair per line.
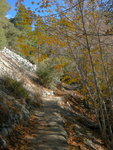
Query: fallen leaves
x,y
21,136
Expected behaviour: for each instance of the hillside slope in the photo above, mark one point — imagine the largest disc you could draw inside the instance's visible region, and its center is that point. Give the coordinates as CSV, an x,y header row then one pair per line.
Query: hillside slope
x,y
44,119
13,108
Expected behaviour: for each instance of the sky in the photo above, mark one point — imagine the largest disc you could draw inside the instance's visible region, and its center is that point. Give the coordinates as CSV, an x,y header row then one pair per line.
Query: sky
x,y
11,13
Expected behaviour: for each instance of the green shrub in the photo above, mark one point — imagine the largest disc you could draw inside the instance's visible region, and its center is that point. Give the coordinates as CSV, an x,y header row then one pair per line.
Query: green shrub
x,y
14,88
3,41
47,74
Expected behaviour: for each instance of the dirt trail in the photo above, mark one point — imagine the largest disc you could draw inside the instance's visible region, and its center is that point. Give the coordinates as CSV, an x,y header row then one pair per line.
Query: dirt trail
x,y
49,134
47,126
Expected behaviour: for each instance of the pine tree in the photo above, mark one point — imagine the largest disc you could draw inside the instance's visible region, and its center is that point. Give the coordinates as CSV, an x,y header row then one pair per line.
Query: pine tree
x,y
3,41
8,32
4,7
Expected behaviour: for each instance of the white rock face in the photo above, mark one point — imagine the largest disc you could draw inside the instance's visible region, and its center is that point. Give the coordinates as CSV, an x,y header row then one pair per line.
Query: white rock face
x,y
17,67
14,66
22,61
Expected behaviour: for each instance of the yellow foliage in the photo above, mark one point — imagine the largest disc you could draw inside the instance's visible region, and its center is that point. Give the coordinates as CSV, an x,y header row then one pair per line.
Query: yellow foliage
x,y
72,80
95,15
66,77
42,58
59,66
28,27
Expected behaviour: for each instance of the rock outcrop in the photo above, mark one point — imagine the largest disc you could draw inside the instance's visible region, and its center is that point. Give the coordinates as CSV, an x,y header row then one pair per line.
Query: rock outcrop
x,y
22,62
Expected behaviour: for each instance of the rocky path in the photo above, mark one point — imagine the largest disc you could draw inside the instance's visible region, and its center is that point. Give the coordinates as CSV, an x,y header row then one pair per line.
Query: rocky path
x,y
50,133
47,126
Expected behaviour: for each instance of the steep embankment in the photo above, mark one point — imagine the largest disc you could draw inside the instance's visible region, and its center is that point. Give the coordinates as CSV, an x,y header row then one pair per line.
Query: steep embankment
x,y
13,108
20,69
